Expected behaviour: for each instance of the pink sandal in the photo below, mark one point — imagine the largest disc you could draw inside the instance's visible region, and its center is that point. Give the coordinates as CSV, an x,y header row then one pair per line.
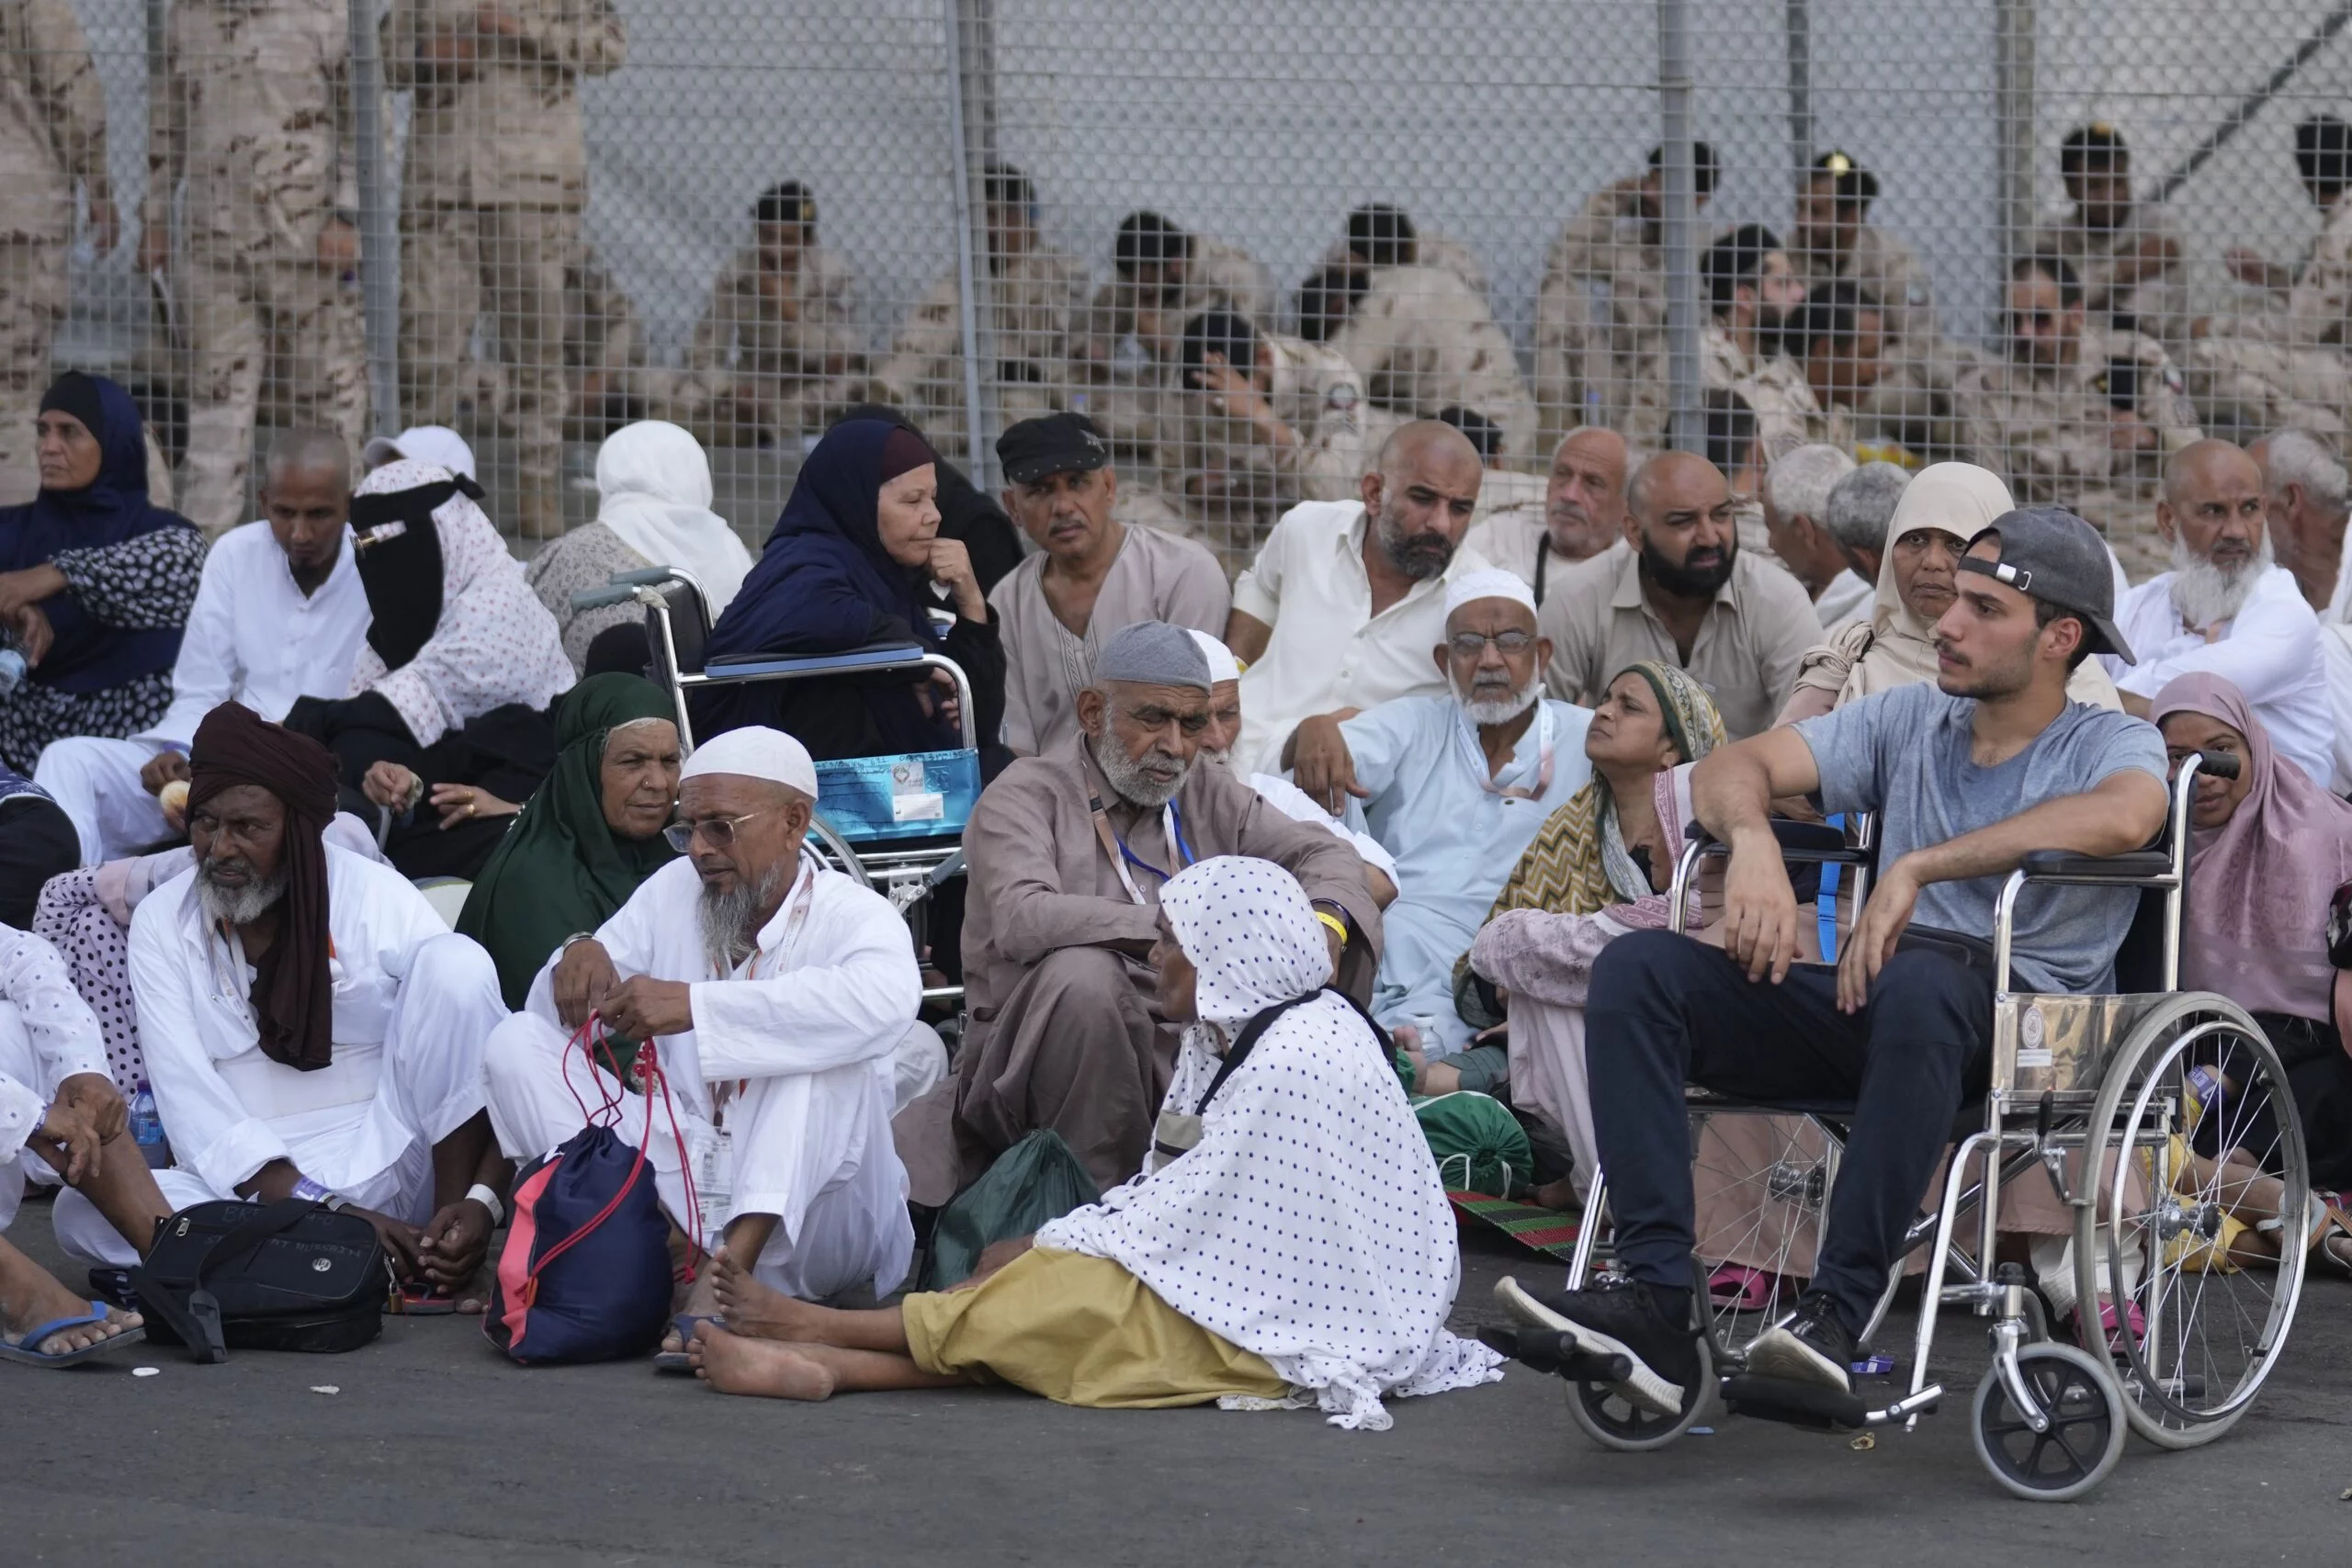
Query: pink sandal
x,y
1735,1287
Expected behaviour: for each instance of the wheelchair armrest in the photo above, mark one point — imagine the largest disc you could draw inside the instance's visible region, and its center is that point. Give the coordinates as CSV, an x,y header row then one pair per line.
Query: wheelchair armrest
x,y
644,575
1809,843
598,598
2134,869
851,661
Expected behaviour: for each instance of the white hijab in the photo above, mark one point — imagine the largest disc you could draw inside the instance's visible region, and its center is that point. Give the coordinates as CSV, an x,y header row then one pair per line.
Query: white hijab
x,y
655,484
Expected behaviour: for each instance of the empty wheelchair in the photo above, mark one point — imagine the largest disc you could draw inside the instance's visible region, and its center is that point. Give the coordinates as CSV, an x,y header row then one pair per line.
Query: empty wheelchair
x,y
2162,1121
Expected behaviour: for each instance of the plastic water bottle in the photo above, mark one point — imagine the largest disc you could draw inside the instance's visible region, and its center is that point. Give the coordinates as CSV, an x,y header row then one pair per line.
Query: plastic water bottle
x,y
12,670
147,1128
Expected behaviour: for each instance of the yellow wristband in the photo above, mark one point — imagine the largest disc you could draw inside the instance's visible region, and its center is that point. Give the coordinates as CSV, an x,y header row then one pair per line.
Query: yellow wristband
x,y
1338,927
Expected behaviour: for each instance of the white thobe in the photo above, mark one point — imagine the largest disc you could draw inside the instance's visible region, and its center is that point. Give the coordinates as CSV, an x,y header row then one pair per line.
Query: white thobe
x,y
806,1031
47,1035
251,637
1848,598
2270,652
412,1006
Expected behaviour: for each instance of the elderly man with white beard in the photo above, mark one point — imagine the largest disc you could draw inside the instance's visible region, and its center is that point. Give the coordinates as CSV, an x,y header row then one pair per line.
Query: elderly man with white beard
x,y
1067,852
1455,786
2228,609
775,992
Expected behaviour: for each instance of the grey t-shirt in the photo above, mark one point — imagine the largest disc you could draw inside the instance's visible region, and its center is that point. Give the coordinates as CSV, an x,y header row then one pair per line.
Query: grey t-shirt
x,y
1904,754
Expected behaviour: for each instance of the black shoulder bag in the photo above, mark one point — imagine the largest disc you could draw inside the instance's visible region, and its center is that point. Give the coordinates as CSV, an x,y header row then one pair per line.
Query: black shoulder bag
x,y
283,1276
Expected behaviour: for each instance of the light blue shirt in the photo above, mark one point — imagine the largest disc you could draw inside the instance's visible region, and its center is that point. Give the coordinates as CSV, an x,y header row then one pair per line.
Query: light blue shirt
x,y
1455,840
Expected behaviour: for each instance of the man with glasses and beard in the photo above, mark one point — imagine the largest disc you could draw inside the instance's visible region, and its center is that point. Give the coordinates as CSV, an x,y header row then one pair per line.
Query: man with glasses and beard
x,y
311,1027
776,993
2227,608
1068,852
1685,595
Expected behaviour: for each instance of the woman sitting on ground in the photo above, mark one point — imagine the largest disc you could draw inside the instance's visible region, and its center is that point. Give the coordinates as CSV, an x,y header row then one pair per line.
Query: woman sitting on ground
x,y
654,484
857,559
95,581
1298,1249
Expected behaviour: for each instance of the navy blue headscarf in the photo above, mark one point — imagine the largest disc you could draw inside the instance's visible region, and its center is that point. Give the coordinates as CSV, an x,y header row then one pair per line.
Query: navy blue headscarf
x,y
87,655
823,582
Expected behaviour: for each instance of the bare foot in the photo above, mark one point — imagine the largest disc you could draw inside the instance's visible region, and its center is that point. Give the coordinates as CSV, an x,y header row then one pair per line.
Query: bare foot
x,y
732,1364
761,1310
1558,1196
30,1295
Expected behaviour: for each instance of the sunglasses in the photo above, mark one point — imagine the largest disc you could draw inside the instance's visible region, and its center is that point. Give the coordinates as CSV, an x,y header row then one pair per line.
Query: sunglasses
x,y
719,831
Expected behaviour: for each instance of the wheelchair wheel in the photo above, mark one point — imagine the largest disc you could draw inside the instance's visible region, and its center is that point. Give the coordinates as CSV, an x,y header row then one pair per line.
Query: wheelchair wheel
x,y
2083,1437
2208,1330
1763,1184
833,853
1617,1423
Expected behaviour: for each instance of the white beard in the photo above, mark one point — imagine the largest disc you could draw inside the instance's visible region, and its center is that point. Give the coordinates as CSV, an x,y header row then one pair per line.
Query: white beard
x,y
237,906
1498,710
2204,594
728,931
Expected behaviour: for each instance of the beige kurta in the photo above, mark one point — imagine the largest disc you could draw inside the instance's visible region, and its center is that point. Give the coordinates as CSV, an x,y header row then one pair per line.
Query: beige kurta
x,y
1065,1029
1155,577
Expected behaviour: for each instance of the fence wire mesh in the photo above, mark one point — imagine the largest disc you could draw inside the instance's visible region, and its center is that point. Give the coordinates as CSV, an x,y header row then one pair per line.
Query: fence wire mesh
x,y
2057,237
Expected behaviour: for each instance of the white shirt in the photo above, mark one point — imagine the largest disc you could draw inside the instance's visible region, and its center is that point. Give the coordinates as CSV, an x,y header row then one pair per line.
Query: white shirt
x,y
254,637
1295,804
229,1109
60,1028
1848,597
2272,653
1329,650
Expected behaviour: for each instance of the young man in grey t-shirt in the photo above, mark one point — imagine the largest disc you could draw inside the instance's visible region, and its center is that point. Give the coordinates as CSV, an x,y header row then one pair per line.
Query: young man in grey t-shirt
x,y
1967,777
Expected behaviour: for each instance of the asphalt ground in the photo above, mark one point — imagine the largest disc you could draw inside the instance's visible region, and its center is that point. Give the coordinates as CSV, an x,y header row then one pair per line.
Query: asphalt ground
x,y
431,1450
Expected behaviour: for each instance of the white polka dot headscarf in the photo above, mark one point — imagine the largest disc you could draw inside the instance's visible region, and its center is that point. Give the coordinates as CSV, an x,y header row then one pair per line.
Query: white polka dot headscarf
x,y
1247,928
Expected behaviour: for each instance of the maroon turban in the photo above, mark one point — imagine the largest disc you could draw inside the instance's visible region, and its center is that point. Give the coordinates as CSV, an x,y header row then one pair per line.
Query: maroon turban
x,y
293,995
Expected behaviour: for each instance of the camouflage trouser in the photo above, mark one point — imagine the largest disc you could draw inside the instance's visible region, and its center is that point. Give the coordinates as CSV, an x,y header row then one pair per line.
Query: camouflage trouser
x,y
244,315
32,301
2252,386
458,264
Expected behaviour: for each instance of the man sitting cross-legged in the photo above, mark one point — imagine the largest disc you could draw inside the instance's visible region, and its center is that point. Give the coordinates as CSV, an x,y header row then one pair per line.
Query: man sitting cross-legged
x,y
775,992
311,1027
1295,1245
1968,776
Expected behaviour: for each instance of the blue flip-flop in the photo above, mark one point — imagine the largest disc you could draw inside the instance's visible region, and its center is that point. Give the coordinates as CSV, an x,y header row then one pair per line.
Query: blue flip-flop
x,y
22,1353
676,1362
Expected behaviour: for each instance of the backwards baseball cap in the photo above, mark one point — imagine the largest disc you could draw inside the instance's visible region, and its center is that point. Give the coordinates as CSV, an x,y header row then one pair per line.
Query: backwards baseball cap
x,y
1051,444
2051,555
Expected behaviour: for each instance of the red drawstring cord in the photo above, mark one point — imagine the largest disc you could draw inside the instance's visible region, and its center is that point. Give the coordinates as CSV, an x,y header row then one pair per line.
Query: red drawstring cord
x,y
650,1074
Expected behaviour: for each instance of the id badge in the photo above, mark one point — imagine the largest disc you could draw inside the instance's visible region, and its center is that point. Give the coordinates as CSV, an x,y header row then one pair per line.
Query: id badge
x,y
714,1184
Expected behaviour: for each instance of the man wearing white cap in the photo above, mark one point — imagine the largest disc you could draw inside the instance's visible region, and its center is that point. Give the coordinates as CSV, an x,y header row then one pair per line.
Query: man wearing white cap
x,y
775,992
1455,786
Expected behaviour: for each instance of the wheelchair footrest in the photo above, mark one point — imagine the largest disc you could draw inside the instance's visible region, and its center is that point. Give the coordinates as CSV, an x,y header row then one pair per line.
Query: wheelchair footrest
x,y
1795,1404
1543,1350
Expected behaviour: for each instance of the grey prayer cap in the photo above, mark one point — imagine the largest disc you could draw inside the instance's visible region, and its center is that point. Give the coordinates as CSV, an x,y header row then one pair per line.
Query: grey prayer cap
x,y
1153,653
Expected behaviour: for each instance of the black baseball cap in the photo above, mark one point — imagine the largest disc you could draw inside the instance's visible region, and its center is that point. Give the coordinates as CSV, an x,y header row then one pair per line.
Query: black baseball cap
x,y
2049,554
1051,444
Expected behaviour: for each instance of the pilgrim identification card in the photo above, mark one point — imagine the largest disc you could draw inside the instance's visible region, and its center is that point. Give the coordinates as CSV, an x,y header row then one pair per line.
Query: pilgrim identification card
x,y
713,1182
911,798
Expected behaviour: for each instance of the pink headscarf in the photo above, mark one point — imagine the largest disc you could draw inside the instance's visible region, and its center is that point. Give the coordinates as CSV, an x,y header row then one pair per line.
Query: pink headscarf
x,y
2259,885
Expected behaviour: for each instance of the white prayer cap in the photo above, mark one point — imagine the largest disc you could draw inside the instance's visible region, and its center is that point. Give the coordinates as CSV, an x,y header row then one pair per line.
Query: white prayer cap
x,y
755,753
1222,666
1492,583
434,444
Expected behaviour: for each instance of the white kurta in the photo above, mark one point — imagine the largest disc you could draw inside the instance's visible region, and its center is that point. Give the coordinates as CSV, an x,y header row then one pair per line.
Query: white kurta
x,y
47,1035
412,1005
251,637
807,1031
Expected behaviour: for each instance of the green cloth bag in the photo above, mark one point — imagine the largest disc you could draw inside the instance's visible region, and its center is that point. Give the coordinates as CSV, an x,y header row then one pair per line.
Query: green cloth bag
x,y
1035,1180
1478,1142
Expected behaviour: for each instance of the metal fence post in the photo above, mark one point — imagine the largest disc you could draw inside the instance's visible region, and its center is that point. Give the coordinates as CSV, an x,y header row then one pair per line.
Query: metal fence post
x,y
1686,431
2013,98
1797,41
971,127
379,285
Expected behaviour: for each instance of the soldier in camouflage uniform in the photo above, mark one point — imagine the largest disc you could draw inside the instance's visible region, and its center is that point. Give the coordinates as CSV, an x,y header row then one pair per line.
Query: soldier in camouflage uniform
x,y
496,177
1600,313
1379,234
2074,416
1840,340
2127,252
1423,341
52,137
1125,347
776,355
1750,291
250,127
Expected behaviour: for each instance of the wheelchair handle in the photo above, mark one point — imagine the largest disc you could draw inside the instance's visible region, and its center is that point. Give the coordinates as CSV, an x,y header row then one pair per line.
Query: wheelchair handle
x,y
598,598
2220,765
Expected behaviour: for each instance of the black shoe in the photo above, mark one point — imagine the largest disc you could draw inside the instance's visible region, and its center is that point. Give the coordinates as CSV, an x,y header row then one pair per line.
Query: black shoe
x,y
1617,1317
1813,1346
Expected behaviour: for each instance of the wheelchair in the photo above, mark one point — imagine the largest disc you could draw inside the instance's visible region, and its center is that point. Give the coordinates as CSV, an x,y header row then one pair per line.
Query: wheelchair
x,y
2108,1099
895,824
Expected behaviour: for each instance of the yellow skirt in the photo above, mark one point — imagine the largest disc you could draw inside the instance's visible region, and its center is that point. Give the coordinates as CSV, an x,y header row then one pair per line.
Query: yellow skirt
x,y
1080,1330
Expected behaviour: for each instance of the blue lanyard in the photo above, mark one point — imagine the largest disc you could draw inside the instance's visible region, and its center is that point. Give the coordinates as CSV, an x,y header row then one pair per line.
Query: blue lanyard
x,y
1184,855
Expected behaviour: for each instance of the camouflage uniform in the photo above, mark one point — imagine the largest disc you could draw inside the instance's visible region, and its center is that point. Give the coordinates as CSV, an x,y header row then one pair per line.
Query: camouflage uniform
x,y
770,357
251,126
1913,394
1788,416
1038,297
1429,249
603,337
52,133
496,177
2157,306
1225,470
1121,352
2285,366
1423,341
1600,349
1890,274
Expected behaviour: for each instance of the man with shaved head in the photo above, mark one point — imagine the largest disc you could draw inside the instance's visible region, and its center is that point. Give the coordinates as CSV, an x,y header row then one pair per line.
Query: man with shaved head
x,y
2227,608
1684,594
279,614
1346,598
1583,512
776,993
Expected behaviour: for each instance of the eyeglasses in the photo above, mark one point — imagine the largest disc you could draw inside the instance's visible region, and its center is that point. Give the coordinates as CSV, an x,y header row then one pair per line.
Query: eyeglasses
x,y
719,831
1470,645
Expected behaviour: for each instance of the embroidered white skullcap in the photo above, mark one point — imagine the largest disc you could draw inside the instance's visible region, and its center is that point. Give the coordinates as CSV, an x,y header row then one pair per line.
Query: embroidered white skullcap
x,y
1222,666
755,753
1492,583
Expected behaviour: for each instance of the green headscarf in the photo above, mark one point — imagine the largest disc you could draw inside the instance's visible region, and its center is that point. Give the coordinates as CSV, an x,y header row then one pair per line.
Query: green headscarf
x,y
561,868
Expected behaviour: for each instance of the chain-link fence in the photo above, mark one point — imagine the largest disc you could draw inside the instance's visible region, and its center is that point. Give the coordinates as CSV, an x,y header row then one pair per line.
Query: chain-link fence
x,y
1246,239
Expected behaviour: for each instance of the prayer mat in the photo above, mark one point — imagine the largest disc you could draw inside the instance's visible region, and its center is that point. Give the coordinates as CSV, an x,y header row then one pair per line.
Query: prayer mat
x,y
1542,1230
